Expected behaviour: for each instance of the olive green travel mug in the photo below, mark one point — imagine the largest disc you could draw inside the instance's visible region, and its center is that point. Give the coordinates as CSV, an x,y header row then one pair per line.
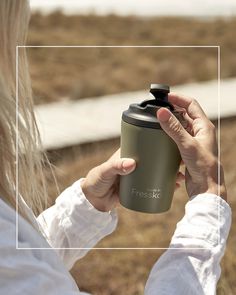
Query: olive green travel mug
x,y
150,187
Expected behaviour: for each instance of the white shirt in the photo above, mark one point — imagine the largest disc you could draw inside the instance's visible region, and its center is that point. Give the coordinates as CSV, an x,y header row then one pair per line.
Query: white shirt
x,y
74,223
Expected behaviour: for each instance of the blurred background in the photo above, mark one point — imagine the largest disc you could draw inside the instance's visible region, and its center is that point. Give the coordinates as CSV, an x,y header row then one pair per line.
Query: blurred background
x,y
80,92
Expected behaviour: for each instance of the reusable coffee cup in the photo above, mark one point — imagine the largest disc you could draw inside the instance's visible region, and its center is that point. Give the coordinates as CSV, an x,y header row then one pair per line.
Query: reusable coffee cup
x,y
150,187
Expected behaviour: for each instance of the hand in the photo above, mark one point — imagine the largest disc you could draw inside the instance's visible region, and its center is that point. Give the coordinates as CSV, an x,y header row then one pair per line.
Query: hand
x,y
198,148
101,185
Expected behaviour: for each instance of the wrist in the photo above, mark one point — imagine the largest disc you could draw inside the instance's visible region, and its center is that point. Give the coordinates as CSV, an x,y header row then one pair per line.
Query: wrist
x,y
218,189
212,181
96,202
216,183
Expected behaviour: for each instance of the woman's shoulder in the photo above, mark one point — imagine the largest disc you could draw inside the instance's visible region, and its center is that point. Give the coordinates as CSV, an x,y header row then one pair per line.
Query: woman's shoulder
x,y
7,225
24,266
21,243
15,230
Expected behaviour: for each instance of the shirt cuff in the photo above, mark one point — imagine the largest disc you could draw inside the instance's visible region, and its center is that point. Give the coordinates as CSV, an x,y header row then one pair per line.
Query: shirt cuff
x,y
206,222
98,218
84,225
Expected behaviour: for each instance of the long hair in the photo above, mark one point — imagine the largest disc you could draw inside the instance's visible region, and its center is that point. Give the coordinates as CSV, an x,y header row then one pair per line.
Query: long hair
x,y
21,157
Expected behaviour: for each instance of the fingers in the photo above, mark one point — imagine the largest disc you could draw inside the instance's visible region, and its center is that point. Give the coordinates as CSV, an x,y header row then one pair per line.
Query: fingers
x,y
114,167
177,185
190,124
191,105
180,177
173,128
198,122
187,118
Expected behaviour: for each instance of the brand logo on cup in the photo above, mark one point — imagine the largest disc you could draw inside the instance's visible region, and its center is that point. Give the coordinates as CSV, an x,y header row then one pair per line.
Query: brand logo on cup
x,y
148,194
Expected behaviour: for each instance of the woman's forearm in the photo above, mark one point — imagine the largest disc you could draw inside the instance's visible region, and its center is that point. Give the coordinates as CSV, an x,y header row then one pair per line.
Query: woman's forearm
x,y
72,225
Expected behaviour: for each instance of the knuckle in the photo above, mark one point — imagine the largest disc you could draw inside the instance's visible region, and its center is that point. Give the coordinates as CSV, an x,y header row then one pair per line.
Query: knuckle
x,y
195,102
190,146
103,172
211,127
116,164
113,167
175,126
213,162
195,105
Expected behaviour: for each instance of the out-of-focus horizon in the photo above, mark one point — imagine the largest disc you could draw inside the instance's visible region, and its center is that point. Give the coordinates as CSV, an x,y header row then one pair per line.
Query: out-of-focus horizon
x,y
193,8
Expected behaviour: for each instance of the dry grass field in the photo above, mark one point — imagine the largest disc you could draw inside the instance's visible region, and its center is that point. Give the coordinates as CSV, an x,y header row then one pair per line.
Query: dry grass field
x,y
79,73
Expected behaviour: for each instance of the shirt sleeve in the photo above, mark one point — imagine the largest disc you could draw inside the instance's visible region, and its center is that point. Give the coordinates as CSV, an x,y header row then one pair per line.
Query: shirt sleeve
x,y
72,225
191,265
27,270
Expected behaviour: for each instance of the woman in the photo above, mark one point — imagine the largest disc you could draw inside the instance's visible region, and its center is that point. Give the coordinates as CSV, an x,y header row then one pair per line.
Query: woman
x,y
85,212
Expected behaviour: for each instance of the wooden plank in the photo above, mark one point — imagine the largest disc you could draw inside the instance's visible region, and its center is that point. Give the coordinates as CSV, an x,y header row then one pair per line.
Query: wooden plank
x,y
73,122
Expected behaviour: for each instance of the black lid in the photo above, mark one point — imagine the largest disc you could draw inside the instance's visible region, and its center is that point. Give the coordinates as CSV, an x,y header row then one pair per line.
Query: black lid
x,y
160,90
144,113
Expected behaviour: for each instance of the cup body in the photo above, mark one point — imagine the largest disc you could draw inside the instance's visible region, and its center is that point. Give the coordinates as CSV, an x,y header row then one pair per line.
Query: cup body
x,y
150,187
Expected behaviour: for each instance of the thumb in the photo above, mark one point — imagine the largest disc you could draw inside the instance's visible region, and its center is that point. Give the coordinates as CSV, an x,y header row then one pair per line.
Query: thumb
x,y
171,125
114,167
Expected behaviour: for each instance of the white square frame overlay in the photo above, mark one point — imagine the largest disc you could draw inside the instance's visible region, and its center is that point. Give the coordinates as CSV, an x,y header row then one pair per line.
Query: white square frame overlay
x,y
116,46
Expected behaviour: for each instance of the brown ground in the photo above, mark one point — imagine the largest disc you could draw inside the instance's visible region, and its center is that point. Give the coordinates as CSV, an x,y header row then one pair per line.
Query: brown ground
x,y
78,73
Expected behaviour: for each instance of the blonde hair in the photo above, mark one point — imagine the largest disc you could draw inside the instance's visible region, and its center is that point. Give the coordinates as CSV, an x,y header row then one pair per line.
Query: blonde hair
x,y
20,145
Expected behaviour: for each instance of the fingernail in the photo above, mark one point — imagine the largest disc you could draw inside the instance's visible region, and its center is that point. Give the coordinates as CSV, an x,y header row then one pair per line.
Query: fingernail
x,y
127,164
